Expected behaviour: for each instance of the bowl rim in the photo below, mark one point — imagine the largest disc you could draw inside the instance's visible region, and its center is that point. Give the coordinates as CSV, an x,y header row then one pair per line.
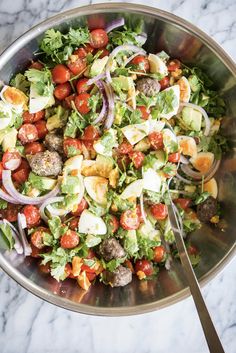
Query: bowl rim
x,y
218,51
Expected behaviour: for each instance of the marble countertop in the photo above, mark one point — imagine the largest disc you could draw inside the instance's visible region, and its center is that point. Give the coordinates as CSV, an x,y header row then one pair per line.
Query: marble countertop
x,y
29,325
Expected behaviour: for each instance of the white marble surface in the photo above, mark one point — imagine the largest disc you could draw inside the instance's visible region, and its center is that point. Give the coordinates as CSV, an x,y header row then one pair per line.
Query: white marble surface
x,y
29,325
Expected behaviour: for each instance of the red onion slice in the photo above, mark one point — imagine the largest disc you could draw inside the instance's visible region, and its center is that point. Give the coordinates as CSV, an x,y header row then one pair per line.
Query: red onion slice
x,y
111,105
8,198
119,22
13,163
201,110
46,203
22,225
9,186
15,234
183,160
103,111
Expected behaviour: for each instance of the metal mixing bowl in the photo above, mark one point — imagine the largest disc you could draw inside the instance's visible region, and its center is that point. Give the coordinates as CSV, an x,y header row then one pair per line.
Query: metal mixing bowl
x,y
182,40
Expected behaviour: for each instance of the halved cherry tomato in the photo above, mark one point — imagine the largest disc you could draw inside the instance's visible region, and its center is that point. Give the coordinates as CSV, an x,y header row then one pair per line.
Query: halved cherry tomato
x,y
1,169
137,158
144,111
33,148
164,82
37,237
156,140
129,220
32,118
159,253
159,211
32,215
69,240
82,103
90,133
141,62
98,38
174,157
173,65
82,86
81,53
28,133
104,52
182,202
145,266
60,74
36,65
11,212
62,91
69,99
125,147
21,174
46,269
41,127
81,206
77,64
88,48
11,160
114,223
73,224
71,146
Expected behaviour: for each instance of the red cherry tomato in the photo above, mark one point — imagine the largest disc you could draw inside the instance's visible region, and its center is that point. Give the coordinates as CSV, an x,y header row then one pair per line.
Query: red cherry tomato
x,y
37,237
98,38
88,48
41,127
174,157
82,103
28,133
114,223
164,82
21,174
159,211
69,100
156,140
60,74
87,269
77,64
144,111
35,251
144,266
33,148
62,91
69,240
82,86
141,62
159,253
73,224
125,147
81,53
72,146
32,215
11,160
81,206
173,65
90,133
137,158
1,169
182,202
36,65
104,52
32,118
46,269
11,212
129,220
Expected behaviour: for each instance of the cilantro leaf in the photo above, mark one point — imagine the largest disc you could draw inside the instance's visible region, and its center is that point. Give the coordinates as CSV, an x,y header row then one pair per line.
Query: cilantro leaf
x,y
78,36
52,41
56,227
3,204
19,81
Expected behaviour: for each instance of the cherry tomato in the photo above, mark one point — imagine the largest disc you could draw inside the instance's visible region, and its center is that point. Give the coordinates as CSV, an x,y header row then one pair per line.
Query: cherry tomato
x,y
98,38
32,118
144,266
87,269
144,111
91,276
114,223
69,100
82,103
82,86
28,133
164,82
80,53
37,238
129,220
104,52
35,251
62,91
81,206
159,253
77,64
141,62
91,133
139,213
137,158
159,211
46,269
183,203
69,240
11,160
60,74
33,148
11,212
1,169
72,146
156,140
36,65
125,147
21,174
88,48
174,157
73,224
173,65
41,127
32,215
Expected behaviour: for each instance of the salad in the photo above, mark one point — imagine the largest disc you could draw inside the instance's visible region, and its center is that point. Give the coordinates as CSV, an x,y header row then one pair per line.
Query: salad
x,y
95,135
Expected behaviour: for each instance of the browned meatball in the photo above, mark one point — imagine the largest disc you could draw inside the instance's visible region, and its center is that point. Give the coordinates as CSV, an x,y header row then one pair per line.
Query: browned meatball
x,y
111,249
148,86
207,209
54,142
45,163
120,277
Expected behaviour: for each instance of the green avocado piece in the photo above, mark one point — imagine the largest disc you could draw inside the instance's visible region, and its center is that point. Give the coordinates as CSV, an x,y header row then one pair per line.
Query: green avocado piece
x,y
98,66
192,118
9,139
123,82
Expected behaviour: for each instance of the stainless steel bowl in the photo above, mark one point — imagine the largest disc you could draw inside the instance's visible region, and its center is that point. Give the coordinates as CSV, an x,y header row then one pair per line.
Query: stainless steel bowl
x,y
182,40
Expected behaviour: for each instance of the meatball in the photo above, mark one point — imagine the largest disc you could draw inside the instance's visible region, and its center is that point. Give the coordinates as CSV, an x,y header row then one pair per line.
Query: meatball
x,y
45,163
207,209
119,278
148,86
111,249
54,142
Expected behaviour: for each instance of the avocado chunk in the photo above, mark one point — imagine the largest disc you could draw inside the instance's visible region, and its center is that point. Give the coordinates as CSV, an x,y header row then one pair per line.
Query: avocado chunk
x,y
98,66
192,118
123,82
9,139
